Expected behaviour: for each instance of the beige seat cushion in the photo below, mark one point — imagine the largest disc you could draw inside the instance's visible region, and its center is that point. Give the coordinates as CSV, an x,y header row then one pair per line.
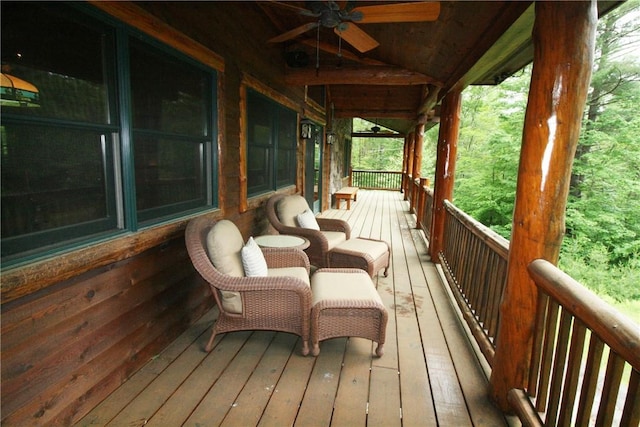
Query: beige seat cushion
x,y
334,238
297,272
289,207
343,286
224,245
375,249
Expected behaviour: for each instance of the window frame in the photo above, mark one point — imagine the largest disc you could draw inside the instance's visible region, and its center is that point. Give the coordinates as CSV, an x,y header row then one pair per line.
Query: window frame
x,y
248,201
124,21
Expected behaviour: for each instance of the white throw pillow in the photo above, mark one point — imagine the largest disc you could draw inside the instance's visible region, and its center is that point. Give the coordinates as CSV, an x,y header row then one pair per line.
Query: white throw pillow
x,y
307,220
253,260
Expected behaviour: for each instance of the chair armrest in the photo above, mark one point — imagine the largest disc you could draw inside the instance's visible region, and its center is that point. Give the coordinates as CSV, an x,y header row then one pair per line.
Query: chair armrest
x,y
286,257
261,284
332,224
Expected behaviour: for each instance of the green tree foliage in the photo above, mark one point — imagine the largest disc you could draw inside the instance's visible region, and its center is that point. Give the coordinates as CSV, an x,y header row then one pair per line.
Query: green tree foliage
x,y
375,153
602,245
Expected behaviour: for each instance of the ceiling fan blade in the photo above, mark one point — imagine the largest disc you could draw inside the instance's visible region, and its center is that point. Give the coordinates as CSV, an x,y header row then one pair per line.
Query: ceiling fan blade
x,y
357,38
292,34
399,12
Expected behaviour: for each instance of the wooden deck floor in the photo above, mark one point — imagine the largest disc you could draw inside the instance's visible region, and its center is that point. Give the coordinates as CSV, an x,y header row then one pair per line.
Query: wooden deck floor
x,y
428,375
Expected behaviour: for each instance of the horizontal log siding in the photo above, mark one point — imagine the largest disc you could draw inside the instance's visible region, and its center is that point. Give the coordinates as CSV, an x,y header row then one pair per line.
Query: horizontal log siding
x,y
66,347
474,260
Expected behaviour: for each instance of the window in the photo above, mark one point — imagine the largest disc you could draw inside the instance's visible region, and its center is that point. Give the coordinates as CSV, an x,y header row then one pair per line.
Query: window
x,y
91,148
171,121
271,144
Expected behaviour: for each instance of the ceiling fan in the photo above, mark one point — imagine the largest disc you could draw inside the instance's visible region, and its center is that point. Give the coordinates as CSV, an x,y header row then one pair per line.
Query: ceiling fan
x,y
342,17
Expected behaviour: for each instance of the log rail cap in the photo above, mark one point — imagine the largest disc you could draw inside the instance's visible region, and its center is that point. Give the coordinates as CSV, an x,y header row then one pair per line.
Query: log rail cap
x,y
619,332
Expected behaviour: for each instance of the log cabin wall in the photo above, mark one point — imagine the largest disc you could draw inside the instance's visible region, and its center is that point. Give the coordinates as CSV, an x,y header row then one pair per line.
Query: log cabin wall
x,y
72,334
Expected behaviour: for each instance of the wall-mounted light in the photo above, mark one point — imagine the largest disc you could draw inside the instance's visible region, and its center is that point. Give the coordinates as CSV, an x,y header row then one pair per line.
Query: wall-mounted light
x,y
306,129
331,137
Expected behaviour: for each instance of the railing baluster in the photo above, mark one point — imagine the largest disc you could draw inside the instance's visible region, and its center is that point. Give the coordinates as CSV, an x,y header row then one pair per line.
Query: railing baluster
x,y
559,363
573,373
590,381
631,412
608,398
538,338
547,355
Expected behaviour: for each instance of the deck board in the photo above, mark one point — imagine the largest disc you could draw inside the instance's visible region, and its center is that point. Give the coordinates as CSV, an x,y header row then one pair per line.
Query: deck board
x,y
428,376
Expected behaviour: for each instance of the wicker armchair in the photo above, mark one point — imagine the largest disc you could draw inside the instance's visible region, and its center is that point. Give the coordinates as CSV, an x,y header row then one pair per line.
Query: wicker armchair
x,y
332,231
267,303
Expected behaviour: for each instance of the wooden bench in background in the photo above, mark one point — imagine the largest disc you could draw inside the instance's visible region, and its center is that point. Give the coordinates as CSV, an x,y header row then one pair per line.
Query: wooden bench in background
x,y
346,193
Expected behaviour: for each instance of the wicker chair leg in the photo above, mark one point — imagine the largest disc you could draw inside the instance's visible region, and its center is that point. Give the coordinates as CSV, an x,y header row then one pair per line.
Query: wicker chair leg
x,y
209,346
380,350
386,271
316,349
305,348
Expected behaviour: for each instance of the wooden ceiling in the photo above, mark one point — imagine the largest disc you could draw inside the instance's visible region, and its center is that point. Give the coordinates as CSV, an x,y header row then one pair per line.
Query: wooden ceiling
x,y
400,82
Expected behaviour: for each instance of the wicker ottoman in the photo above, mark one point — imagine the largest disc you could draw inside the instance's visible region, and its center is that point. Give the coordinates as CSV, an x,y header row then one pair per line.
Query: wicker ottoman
x,y
346,304
369,255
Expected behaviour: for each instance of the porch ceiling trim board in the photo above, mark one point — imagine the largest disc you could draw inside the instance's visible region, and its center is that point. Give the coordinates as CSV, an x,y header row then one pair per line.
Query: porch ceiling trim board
x,y
373,75
138,18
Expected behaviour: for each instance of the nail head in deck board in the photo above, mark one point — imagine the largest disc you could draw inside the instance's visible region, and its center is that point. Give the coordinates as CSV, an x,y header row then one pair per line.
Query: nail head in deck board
x,y
282,409
317,405
353,389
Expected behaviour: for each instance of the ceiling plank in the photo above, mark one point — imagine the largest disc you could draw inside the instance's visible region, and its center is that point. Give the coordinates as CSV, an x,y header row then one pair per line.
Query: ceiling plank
x,y
383,76
364,112
346,54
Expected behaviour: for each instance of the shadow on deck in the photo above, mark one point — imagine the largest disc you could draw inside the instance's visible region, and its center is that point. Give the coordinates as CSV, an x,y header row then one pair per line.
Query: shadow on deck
x,y
429,374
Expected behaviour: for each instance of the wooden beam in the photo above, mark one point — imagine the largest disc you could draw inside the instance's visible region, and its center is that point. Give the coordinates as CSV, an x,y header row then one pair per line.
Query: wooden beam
x,y
346,54
377,135
391,114
560,79
384,76
137,17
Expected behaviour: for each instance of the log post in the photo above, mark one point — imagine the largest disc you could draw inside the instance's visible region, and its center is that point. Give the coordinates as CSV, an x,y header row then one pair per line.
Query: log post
x,y
417,163
564,40
445,168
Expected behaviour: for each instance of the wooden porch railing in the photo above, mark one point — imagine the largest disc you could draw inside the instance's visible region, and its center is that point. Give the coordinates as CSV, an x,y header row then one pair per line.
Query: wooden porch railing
x,y
474,261
569,381
424,211
585,363
376,180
